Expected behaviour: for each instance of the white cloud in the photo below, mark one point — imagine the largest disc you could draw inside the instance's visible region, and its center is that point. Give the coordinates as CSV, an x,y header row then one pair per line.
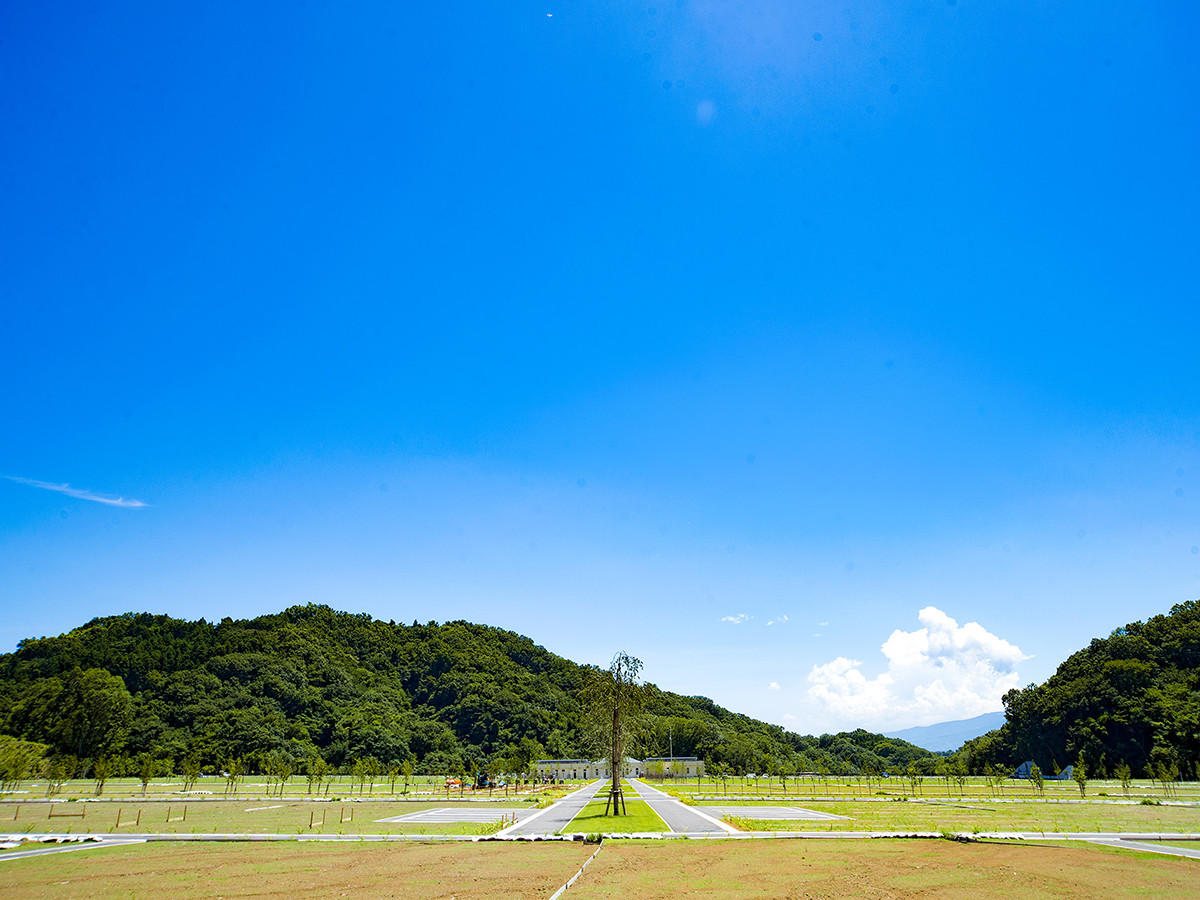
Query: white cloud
x,y
822,624
773,686
939,671
737,619
778,620
78,493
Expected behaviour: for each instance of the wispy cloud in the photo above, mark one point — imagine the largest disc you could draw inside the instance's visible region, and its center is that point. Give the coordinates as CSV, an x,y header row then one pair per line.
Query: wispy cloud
x,y
778,620
737,619
773,686
78,493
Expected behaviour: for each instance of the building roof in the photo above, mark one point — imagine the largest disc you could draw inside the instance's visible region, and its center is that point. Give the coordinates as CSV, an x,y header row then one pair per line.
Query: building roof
x,y
671,759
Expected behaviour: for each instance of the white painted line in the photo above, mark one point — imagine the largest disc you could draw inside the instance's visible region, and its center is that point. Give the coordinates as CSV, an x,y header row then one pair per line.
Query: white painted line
x,y
82,845
723,826
541,812
769,812
575,877
260,808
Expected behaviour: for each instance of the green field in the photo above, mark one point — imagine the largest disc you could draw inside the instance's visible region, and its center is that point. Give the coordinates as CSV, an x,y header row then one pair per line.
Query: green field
x,y
591,819
236,817
952,816
213,786
929,786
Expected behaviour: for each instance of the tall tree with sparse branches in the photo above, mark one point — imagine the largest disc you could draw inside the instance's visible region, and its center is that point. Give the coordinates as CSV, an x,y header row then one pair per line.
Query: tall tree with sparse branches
x,y
613,702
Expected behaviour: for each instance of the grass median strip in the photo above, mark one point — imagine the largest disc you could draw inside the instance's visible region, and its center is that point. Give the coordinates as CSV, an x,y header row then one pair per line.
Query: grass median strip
x,y
591,819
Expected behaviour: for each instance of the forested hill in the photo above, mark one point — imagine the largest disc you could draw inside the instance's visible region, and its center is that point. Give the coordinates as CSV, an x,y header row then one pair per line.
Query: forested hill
x,y
1131,698
312,682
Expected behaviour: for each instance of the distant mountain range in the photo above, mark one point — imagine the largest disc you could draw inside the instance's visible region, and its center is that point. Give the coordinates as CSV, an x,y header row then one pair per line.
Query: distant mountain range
x,y
944,736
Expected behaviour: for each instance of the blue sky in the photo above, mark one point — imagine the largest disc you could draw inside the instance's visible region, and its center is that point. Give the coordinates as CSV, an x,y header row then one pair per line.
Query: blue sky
x,y
794,337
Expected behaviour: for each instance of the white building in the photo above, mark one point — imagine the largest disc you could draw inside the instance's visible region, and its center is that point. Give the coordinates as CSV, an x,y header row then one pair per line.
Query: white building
x,y
673,767
561,769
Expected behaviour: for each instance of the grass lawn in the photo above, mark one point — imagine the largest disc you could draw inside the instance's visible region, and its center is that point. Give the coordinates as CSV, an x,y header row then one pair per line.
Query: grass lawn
x,y
738,870
239,817
288,871
1031,816
591,819
973,788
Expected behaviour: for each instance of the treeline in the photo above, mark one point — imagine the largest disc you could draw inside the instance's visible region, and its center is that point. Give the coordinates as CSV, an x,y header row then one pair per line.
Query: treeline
x,y
1127,704
314,688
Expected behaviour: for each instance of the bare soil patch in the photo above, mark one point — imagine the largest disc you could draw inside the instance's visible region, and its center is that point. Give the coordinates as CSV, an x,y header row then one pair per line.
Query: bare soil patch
x,y
733,870
291,871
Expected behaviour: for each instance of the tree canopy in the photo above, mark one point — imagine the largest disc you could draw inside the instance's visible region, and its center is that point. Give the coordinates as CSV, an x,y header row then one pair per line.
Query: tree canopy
x,y
1130,699
312,683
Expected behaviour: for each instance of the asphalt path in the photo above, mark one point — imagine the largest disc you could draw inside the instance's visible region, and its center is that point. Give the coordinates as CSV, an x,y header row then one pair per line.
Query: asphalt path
x,y
1191,852
680,819
441,815
768,812
553,819
67,848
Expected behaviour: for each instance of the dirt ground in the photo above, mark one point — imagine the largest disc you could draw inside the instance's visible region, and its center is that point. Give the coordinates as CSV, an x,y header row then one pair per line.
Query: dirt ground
x,y
880,869
293,871
729,870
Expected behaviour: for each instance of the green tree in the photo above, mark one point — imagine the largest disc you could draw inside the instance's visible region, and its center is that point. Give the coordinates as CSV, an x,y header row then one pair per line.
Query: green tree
x,y
614,702
1035,776
102,770
59,771
19,760
279,768
314,772
1079,775
234,767
147,767
1168,774
1124,775
958,771
83,712
191,771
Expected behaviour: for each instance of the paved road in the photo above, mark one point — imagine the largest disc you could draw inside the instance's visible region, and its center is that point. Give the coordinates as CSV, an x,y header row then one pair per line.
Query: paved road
x,y
552,819
445,814
768,812
66,848
1192,852
679,818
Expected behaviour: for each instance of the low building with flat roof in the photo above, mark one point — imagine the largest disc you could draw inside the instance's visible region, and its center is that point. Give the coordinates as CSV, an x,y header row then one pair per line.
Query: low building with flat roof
x,y
673,766
562,769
